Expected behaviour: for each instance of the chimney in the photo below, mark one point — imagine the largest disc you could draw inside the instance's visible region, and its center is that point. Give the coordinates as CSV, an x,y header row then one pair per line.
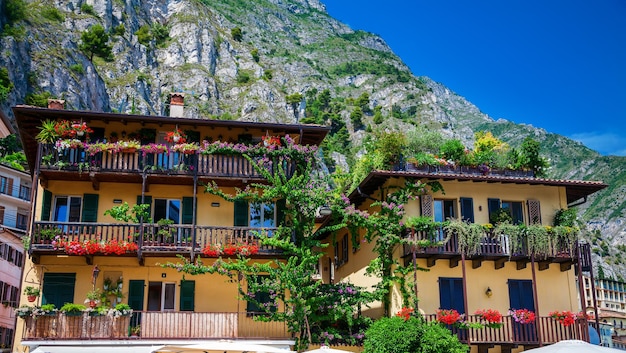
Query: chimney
x,y
177,102
58,104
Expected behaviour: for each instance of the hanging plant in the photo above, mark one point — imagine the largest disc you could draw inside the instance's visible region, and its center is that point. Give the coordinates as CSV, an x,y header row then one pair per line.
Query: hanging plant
x,y
176,136
539,242
513,233
566,236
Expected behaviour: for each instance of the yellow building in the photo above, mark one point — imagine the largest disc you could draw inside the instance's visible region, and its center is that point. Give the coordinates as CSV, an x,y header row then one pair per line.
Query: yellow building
x,y
500,275
76,248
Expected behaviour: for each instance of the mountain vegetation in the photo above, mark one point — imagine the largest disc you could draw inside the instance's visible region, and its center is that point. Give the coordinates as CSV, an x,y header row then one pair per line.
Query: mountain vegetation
x,y
281,61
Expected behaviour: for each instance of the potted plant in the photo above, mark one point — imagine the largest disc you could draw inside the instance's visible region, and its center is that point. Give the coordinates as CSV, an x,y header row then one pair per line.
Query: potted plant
x,y
522,316
135,331
128,146
71,309
93,297
176,136
31,293
492,318
108,283
48,132
45,310
165,231
24,311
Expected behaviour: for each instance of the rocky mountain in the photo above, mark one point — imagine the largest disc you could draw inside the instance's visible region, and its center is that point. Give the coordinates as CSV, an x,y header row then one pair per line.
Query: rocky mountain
x,y
249,60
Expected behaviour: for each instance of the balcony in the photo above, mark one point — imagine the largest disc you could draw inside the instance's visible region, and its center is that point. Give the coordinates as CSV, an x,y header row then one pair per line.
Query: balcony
x,y
131,165
152,325
493,247
544,329
142,239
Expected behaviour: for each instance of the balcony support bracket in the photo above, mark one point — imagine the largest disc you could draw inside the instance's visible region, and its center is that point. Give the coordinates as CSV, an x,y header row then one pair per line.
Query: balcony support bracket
x,y
476,263
89,259
565,266
499,263
36,259
543,265
431,261
484,347
521,265
43,181
454,261
95,184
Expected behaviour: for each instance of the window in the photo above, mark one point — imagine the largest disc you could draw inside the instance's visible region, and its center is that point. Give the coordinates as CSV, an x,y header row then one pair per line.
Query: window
x,y
58,288
262,215
341,251
167,209
5,188
1,214
443,210
514,209
67,208
24,193
21,221
161,296
262,298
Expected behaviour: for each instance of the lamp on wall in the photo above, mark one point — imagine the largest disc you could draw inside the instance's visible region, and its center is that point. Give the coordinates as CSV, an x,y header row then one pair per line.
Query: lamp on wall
x,y
94,275
488,292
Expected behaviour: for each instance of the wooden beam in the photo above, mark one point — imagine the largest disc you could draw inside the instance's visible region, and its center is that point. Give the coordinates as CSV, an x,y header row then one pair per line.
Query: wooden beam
x,y
565,266
36,259
89,259
476,263
431,261
95,184
521,265
499,263
454,262
543,265
43,181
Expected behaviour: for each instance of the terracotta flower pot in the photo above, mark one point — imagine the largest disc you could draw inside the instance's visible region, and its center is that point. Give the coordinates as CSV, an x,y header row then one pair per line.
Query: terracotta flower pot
x,y
31,298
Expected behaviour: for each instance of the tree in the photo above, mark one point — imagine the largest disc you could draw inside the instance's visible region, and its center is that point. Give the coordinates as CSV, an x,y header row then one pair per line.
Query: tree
x,y
94,42
5,83
298,193
531,158
15,10
294,100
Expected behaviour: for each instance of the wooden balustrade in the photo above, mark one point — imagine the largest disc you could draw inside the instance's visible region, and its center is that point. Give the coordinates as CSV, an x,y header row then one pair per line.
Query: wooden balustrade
x,y
152,325
156,238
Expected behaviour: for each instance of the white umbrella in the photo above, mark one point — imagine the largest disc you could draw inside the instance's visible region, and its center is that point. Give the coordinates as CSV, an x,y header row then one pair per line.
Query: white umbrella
x,y
221,346
326,349
573,346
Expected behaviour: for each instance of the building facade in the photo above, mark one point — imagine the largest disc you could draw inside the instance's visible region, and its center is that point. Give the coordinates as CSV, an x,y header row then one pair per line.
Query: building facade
x,y
501,273
156,167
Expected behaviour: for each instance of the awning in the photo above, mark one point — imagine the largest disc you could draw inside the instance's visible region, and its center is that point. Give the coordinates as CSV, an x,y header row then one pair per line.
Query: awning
x,y
118,348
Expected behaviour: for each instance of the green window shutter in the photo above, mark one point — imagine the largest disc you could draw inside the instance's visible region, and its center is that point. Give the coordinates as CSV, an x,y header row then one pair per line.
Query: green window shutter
x,y
241,213
280,212
58,288
46,205
135,294
493,205
187,295
146,199
90,207
187,212
467,209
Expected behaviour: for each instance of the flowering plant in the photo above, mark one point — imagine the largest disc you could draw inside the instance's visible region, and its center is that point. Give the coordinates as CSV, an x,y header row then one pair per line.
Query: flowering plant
x,y
567,318
91,247
154,148
79,129
405,313
61,145
271,140
523,316
127,145
215,250
492,317
449,316
186,148
176,136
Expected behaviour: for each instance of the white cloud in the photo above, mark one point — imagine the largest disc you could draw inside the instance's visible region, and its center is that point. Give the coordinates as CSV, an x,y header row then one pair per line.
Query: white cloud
x,y
606,143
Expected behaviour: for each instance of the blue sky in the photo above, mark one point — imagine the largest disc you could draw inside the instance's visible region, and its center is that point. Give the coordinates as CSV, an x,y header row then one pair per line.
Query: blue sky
x,y
555,64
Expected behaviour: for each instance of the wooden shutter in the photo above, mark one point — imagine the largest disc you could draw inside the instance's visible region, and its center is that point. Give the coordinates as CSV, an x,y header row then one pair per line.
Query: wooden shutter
x,y
187,295
467,209
451,294
1,214
136,294
90,208
187,211
534,212
46,205
492,206
58,288
280,212
9,186
427,205
241,213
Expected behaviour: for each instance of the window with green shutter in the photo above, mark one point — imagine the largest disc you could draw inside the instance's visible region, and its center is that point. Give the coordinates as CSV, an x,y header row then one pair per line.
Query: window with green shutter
x,y
90,208
187,211
46,205
187,295
241,213
58,288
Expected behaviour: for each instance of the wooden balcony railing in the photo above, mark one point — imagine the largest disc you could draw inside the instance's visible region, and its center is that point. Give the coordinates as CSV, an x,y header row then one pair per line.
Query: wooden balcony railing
x,y
493,246
545,328
148,237
152,325
135,161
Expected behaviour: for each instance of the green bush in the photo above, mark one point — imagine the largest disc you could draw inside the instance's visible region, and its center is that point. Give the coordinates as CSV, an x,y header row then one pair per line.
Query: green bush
x,y
395,335
88,9
565,217
243,77
52,13
77,68
268,74
15,10
255,54
37,99
144,36
119,30
94,41
237,34
5,84
452,150
160,33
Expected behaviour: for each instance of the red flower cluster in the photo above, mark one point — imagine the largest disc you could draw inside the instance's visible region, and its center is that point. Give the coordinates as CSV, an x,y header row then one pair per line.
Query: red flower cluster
x,y
490,315
567,318
93,247
176,136
405,313
271,141
68,130
448,316
523,316
215,250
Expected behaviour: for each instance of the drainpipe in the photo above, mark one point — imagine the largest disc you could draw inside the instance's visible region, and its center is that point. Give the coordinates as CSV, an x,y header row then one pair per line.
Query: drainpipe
x,y
535,299
465,292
